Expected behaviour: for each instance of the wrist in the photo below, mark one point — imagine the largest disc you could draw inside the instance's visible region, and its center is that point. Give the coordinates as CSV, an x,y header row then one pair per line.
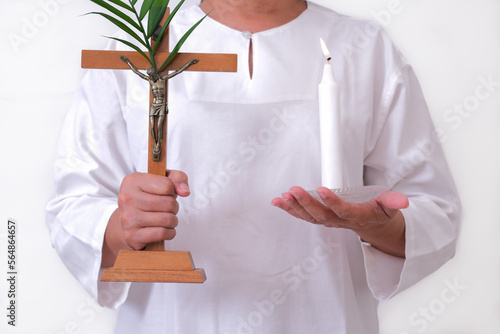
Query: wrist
x,y
388,237
114,241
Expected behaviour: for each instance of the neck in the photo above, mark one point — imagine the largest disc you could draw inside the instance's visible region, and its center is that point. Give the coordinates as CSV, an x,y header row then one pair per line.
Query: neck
x,y
253,15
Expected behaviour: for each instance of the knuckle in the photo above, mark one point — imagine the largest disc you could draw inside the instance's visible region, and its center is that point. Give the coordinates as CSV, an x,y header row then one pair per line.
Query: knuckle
x,y
363,223
167,186
137,245
169,234
177,175
168,179
323,216
127,179
342,213
130,179
171,221
127,218
173,205
124,198
129,236
322,219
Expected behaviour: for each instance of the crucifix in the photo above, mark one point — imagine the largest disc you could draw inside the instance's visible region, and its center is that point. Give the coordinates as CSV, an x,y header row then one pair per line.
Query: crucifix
x,y
154,264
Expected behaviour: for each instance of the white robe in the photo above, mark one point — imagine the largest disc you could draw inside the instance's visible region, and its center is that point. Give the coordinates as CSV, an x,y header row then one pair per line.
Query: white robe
x,y
243,141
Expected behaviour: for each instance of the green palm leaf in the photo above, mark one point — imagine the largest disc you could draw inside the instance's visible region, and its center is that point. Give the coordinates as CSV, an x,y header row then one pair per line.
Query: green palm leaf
x,y
180,43
155,9
122,26
146,6
133,46
121,4
167,23
155,15
117,12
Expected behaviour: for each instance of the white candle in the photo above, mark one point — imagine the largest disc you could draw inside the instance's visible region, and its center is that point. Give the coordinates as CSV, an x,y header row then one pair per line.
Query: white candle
x,y
330,130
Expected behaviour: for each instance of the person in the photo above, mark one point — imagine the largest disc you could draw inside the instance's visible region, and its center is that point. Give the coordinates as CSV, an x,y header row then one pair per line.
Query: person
x,y
275,263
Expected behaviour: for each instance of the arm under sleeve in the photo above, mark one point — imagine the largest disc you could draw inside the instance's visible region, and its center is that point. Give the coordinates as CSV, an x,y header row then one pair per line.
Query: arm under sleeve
x,y
408,158
91,162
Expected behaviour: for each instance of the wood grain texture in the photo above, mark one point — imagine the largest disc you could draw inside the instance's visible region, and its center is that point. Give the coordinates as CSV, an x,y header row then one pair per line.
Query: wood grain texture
x,y
154,266
209,62
159,260
154,276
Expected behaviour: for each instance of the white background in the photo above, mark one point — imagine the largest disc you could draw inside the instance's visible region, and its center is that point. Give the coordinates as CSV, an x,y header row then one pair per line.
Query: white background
x,y
451,44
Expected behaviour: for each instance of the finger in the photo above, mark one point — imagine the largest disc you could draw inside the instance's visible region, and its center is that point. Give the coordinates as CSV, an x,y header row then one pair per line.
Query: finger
x,y
362,213
156,203
346,210
391,203
180,181
307,207
285,205
149,183
133,220
149,235
147,202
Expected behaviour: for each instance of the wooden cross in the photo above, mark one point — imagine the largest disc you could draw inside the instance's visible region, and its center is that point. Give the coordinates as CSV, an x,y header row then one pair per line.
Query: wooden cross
x,y
154,264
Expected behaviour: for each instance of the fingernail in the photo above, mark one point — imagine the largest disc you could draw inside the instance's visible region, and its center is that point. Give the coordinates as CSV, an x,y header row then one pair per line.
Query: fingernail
x,y
184,187
321,194
297,196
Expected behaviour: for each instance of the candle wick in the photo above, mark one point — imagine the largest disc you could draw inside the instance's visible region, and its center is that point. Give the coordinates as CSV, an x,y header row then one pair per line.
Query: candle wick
x,y
328,59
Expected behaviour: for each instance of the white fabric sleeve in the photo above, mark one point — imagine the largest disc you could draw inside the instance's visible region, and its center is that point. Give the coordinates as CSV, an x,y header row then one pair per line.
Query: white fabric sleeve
x,y
408,158
88,171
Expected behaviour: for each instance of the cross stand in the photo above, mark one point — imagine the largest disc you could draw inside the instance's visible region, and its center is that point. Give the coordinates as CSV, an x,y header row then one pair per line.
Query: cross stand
x,y
154,264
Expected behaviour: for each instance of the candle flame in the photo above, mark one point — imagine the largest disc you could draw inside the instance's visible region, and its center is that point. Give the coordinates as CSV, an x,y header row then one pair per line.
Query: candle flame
x,y
327,53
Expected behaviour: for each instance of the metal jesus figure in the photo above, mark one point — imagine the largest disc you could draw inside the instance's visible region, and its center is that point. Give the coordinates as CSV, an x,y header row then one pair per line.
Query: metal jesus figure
x,y
158,107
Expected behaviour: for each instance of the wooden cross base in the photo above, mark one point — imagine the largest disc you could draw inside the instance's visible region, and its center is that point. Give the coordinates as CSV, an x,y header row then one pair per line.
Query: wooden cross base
x,y
154,266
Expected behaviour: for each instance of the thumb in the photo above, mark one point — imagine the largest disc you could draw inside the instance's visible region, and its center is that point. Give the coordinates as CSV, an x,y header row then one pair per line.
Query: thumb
x,y
180,181
393,200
